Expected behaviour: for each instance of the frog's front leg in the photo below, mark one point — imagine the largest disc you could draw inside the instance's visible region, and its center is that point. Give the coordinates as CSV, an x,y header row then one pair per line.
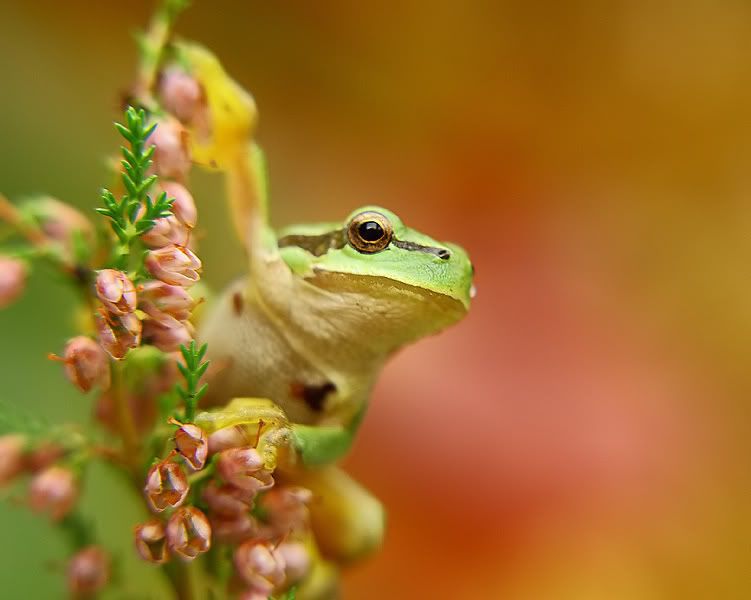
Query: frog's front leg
x,y
348,522
319,445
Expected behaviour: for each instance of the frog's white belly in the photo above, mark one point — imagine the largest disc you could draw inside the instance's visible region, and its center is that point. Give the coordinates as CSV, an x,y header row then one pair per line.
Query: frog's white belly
x,y
252,358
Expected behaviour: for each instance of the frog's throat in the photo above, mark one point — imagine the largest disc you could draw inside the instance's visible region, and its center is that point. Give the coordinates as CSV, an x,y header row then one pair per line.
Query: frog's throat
x,y
318,245
398,312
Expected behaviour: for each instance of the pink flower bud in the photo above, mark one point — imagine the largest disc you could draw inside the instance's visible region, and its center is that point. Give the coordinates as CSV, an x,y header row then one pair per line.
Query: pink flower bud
x,y
60,222
227,500
88,571
86,364
117,335
174,265
253,595
166,231
244,468
227,437
296,560
42,456
151,542
287,509
12,447
188,533
180,93
183,207
234,529
260,566
158,299
12,279
166,486
116,291
167,334
192,444
171,157
54,491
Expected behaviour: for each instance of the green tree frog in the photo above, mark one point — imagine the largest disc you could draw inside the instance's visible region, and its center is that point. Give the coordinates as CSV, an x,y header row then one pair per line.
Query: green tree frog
x,y
323,307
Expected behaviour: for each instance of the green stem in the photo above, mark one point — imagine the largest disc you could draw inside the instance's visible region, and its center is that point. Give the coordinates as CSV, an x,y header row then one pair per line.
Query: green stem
x,y
180,576
126,424
153,44
77,530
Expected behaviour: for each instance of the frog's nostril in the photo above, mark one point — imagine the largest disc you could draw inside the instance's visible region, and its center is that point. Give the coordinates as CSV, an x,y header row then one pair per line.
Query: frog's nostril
x,y
444,254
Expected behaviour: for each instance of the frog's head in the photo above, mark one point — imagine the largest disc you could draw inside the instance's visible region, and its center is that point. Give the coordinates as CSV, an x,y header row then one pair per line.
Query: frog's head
x,y
412,282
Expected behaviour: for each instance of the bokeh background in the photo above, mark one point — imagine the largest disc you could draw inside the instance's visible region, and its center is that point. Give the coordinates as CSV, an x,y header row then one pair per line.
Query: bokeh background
x,y
584,433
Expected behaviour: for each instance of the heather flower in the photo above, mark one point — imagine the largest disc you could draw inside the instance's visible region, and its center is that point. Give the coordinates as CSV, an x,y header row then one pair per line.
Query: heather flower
x,y
244,468
12,279
181,94
12,448
117,335
171,157
260,566
188,533
54,491
226,438
88,571
226,500
253,595
183,205
287,508
159,299
43,455
174,265
60,222
151,542
166,486
296,560
116,291
192,444
233,529
166,231
167,334
86,363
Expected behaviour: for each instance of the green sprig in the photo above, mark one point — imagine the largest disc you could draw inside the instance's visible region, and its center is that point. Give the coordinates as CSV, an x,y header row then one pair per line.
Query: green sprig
x,y
192,371
136,211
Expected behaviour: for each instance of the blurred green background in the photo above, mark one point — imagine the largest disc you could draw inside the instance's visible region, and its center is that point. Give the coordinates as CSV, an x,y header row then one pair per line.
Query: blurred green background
x,y
585,432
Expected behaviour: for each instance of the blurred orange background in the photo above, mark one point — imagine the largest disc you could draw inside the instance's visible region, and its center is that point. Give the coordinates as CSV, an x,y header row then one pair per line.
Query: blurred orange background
x,y
584,432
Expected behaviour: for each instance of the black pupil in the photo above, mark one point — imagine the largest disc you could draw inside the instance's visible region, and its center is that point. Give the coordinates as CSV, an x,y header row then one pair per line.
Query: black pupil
x,y
370,231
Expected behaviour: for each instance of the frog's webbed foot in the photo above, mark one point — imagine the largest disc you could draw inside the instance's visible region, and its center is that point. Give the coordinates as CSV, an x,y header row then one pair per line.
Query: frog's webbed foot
x,y
227,123
257,421
221,138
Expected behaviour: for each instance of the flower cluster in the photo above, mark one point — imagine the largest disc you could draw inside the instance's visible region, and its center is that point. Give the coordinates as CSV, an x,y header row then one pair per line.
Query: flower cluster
x,y
233,504
54,484
140,309
207,490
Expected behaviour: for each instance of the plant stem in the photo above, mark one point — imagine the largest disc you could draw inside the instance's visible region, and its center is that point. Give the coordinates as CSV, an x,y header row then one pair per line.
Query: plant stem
x,y
180,576
12,215
153,43
126,424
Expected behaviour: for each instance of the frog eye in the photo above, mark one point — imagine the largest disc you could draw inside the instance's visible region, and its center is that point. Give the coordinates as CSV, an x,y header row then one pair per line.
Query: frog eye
x,y
369,232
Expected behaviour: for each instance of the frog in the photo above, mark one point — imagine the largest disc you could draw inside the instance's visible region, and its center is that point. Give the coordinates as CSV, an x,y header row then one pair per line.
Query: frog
x,y
301,339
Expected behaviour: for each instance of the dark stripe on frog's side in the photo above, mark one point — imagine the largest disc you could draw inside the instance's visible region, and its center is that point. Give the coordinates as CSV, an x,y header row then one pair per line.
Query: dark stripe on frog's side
x,y
318,245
